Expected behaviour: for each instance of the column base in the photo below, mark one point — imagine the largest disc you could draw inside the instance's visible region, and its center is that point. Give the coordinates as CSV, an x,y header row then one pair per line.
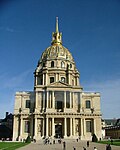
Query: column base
x,y
38,137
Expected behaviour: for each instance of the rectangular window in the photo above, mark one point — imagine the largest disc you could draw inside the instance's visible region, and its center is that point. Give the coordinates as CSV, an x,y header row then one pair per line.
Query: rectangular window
x,y
27,103
51,79
40,80
88,105
27,127
72,99
59,98
67,99
88,126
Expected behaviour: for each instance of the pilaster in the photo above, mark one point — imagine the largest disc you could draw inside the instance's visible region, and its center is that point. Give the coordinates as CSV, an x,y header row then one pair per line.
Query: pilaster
x,y
65,128
46,127
53,128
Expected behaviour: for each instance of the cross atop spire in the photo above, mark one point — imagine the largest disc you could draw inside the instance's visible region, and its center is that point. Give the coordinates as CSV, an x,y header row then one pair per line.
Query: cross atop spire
x,y
56,36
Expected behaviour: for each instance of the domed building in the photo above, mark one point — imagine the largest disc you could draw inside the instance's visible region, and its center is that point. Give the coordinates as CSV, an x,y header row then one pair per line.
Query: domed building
x,y
58,107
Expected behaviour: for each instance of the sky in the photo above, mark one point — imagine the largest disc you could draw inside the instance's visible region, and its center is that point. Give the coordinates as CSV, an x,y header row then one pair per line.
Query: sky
x,y
90,30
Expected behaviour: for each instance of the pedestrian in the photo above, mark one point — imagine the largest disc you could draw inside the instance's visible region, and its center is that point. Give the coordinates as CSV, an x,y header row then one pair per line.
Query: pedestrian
x,y
84,148
108,147
95,148
53,141
87,143
111,141
74,148
64,145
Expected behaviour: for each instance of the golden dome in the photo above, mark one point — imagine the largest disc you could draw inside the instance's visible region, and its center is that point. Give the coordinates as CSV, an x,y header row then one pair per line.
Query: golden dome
x,y
56,50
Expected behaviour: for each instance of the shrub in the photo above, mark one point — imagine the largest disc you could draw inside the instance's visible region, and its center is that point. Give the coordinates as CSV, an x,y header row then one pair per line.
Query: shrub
x,y
94,138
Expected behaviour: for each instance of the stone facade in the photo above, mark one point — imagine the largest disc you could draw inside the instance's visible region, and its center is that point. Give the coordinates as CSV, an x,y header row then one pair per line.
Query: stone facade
x,y
58,106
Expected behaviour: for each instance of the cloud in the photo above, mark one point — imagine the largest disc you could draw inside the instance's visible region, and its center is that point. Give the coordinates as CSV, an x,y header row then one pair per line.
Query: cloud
x,y
14,81
110,101
8,29
8,86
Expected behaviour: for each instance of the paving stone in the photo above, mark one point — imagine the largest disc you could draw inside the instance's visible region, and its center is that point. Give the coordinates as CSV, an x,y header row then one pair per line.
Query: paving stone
x,y
39,145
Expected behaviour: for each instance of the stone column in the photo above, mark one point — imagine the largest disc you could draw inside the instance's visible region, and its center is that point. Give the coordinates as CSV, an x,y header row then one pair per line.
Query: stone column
x,y
81,125
43,128
35,129
53,100
43,79
65,127
69,78
74,127
84,131
77,79
56,77
46,79
36,102
47,127
53,128
73,101
71,126
16,128
70,100
94,121
35,82
47,100
31,126
21,126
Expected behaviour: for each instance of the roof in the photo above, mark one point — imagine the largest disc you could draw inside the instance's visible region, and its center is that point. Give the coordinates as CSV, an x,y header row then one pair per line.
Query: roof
x,y
111,122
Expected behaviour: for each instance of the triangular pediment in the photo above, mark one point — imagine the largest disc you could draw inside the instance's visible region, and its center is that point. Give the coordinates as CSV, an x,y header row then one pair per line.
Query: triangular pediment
x,y
59,84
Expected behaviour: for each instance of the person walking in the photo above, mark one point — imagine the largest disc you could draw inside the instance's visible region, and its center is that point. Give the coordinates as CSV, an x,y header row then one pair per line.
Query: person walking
x,y
95,148
64,145
108,147
87,143
84,148
74,148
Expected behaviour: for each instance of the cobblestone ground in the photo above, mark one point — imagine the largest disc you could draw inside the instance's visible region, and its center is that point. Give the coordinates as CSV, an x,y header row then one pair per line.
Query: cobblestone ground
x,y
69,146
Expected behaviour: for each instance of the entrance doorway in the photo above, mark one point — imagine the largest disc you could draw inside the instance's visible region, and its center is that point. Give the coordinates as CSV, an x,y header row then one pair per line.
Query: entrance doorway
x,y
58,131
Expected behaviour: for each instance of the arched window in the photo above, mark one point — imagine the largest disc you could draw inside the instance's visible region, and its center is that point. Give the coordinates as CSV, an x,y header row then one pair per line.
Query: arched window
x,y
52,64
51,79
63,79
88,104
62,64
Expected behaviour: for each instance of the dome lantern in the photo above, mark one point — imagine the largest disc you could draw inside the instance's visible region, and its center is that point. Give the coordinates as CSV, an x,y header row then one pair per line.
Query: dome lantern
x,y
56,36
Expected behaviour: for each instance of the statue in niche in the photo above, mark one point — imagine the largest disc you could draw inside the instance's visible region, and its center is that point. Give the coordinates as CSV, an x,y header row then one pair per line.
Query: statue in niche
x,y
39,127
39,99
77,126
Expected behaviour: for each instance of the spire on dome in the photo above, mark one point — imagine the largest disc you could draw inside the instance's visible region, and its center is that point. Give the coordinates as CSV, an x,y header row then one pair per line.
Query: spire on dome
x,y
57,25
56,36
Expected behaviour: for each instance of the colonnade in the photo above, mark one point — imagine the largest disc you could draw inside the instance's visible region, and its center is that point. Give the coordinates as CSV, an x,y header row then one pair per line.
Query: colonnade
x,y
57,77
69,127
51,100
73,132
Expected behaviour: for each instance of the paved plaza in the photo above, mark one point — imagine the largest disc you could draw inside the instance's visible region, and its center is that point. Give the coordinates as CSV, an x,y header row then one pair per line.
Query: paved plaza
x,y
69,146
